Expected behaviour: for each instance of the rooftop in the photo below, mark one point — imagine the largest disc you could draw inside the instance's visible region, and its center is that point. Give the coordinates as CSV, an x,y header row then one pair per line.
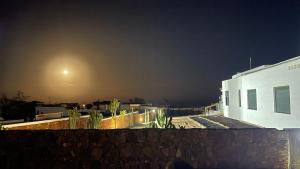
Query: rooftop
x,y
263,67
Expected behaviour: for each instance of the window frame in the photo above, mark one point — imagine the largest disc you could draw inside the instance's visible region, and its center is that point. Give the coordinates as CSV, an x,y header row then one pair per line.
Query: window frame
x,y
248,105
227,98
240,98
274,99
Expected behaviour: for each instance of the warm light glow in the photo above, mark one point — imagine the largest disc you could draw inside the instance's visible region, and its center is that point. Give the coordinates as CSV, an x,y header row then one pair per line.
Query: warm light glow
x,y
66,72
67,77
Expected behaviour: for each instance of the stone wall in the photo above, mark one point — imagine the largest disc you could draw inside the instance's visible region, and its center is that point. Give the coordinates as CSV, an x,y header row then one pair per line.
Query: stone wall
x,y
147,148
294,140
125,121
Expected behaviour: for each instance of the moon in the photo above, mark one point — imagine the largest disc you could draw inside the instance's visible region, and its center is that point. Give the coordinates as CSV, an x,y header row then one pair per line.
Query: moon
x,y
66,72
67,77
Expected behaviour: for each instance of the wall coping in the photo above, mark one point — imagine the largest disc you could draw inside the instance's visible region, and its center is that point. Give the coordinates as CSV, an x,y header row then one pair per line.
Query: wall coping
x,y
51,121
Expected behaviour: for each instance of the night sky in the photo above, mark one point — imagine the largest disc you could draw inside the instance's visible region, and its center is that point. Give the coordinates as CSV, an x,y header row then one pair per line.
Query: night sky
x,y
175,50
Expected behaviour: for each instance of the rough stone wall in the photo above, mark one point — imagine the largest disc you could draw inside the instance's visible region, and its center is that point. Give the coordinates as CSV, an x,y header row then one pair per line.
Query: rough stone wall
x,y
294,140
147,148
109,123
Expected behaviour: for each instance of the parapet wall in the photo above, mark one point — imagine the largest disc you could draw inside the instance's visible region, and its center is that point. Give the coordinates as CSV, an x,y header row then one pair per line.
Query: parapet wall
x,y
125,121
146,148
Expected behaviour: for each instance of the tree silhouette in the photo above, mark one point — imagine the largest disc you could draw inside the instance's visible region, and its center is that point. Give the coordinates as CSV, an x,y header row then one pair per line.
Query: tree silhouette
x,y
4,103
20,96
97,104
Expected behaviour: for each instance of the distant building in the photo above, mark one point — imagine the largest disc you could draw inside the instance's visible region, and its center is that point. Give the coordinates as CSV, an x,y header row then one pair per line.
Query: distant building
x,y
104,105
52,112
46,109
268,95
130,106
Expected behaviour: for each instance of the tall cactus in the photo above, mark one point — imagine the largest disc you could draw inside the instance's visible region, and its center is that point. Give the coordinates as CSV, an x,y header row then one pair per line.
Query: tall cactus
x,y
113,107
162,121
95,119
74,116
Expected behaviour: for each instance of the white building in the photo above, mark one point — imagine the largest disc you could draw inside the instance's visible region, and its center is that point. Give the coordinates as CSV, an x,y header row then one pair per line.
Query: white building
x,y
268,95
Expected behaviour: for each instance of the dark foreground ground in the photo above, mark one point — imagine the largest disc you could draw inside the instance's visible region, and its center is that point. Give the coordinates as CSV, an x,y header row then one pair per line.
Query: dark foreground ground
x,y
149,148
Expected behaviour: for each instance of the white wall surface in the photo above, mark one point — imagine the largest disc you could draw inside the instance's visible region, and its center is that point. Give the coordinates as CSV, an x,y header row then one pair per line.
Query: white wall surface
x,y
264,81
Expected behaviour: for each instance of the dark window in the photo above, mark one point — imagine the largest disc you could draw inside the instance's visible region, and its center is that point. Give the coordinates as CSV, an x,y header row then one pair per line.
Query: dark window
x,y
252,102
240,101
282,99
227,98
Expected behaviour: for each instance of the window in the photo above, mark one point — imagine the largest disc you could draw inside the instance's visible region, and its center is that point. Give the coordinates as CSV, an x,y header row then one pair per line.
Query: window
x,y
240,102
282,99
227,98
252,102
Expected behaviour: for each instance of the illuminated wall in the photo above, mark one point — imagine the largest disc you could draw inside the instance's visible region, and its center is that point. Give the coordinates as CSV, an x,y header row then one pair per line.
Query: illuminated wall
x,y
286,73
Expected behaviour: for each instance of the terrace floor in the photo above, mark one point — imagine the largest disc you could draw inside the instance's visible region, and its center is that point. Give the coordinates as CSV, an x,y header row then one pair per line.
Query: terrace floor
x,y
210,122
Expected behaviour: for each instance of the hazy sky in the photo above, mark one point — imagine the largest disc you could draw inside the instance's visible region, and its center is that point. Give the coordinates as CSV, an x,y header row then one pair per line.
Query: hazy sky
x,y
179,50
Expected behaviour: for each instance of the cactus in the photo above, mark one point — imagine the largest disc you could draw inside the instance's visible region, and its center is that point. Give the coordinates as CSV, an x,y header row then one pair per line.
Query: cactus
x,y
74,116
169,123
95,119
162,121
122,118
113,107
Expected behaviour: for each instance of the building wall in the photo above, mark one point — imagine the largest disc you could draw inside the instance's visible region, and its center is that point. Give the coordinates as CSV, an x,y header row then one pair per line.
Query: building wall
x,y
233,88
148,148
264,81
43,110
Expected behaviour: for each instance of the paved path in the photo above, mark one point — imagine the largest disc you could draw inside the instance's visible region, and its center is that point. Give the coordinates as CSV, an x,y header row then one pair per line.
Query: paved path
x,y
211,122
208,123
186,122
230,123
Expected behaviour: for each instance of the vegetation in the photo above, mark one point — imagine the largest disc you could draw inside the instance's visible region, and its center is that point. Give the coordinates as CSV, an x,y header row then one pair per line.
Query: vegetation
x,y
162,120
122,117
89,106
17,107
74,116
95,119
113,107
123,112
97,104
20,96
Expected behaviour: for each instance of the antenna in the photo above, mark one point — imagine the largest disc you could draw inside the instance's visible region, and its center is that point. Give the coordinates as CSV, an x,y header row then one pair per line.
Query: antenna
x,y
250,63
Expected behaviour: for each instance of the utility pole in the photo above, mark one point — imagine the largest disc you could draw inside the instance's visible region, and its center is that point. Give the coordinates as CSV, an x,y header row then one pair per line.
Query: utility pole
x,y
250,63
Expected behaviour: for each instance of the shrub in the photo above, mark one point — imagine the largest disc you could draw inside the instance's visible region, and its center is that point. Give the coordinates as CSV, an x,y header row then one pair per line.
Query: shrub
x,y
123,112
113,107
74,116
95,119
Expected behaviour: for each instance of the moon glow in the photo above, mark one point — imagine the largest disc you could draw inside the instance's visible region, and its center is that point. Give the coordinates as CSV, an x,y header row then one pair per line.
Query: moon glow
x,y
65,72
67,77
